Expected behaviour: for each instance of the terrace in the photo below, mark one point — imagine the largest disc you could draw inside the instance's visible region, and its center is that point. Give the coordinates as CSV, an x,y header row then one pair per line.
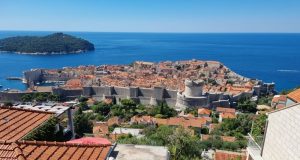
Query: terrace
x,y
254,147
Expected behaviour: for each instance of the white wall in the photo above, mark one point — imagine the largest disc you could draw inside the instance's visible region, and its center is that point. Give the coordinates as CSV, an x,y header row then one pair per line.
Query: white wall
x,y
282,141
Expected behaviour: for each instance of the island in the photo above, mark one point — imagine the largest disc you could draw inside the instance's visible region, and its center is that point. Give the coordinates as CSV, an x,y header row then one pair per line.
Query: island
x,y
57,43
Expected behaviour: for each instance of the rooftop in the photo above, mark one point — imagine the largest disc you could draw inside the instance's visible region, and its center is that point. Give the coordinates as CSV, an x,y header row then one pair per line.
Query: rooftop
x,y
225,110
42,150
57,109
204,111
295,95
138,152
132,131
228,155
16,123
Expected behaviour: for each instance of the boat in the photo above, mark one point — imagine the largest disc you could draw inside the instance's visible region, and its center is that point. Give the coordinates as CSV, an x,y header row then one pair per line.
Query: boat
x,y
14,78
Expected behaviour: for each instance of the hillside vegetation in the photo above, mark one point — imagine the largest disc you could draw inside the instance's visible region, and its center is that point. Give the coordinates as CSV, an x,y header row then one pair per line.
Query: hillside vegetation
x,y
54,43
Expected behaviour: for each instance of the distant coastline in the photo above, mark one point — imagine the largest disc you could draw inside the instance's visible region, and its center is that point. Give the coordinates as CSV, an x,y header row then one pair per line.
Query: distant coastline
x,y
57,43
45,53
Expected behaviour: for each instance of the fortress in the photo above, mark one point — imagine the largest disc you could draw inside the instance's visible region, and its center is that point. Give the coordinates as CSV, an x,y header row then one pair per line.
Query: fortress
x,y
187,92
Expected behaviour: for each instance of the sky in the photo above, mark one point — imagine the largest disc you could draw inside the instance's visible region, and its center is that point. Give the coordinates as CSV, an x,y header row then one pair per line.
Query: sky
x,y
151,15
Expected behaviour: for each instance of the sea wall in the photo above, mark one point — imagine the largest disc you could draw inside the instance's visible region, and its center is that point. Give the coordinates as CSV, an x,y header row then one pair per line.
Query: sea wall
x,y
67,94
11,97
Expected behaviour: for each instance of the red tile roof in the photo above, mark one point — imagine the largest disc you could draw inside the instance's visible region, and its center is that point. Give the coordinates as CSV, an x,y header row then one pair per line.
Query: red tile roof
x,y
39,150
227,155
90,140
114,120
280,106
185,122
143,120
222,109
224,138
16,123
204,111
100,129
227,115
278,98
295,95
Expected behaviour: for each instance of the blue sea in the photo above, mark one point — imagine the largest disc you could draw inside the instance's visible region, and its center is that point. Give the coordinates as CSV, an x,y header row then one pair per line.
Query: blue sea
x,y
269,57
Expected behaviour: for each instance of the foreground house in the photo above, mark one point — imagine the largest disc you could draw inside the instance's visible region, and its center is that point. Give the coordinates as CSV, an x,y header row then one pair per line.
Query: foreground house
x,y
17,123
281,139
42,150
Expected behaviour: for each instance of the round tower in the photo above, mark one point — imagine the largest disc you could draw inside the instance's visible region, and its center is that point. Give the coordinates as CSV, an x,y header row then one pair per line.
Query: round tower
x,y
193,88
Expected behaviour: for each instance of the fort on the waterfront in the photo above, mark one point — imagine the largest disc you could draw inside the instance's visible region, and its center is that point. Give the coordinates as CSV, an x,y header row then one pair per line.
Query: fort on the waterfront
x,y
193,88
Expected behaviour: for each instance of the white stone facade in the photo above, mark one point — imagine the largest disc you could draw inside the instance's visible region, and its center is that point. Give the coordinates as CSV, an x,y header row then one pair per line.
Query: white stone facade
x,y
282,139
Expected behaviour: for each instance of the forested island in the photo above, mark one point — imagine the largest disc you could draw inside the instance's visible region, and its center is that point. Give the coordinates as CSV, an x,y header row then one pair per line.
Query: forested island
x,y
57,43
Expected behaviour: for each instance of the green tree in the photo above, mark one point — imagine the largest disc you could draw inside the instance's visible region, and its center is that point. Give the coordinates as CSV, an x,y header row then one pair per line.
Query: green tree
x,y
82,124
27,98
50,131
54,97
245,105
182,144
101,108
8,104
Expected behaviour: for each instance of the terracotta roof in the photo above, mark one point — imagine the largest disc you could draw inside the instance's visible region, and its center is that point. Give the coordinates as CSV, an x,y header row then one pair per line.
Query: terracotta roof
x,y
204,111
100,129
222,109
227,155
114,120
143,119
280,106
213,126
74,83
42,150
16,123
295,95
90,140
227,115
278,98
224,138
185,122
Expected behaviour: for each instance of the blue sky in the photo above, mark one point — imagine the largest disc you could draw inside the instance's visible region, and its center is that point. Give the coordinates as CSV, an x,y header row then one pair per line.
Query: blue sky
x,y
151,15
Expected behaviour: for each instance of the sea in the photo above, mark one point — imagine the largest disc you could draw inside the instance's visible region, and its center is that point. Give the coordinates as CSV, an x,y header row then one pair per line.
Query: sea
x,y
271,57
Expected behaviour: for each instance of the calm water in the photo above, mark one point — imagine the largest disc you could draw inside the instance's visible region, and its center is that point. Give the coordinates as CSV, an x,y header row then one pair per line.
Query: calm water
x,y
269,57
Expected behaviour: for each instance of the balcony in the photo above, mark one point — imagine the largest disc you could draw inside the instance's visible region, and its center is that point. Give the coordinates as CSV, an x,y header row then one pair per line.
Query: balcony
x,y
254,148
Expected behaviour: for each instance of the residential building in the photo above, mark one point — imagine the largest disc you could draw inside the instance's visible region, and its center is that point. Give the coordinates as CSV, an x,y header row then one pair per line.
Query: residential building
x,y
293,97
16,123
42,150
204,112
281,139
148,120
